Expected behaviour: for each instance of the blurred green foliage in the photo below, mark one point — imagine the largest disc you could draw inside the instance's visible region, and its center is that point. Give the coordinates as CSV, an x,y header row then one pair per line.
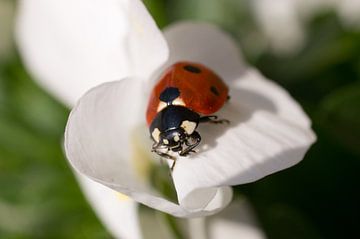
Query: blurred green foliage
x,y
319,198
39,197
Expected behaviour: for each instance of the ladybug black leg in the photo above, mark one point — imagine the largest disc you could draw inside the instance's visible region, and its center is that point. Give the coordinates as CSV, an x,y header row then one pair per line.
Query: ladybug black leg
x,y
193,141
163,155
213,119
155,148
167,156
173,165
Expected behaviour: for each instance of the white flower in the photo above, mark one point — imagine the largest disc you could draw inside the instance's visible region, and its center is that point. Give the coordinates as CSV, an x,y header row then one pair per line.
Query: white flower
x,y
283,21
106,137
50,44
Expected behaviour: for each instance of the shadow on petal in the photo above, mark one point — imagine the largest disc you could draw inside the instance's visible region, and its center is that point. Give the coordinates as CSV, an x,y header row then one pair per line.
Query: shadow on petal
x,y
268,132
237,112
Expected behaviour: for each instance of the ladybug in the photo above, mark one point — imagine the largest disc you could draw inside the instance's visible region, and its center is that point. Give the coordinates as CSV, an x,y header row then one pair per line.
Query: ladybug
x,y
187,94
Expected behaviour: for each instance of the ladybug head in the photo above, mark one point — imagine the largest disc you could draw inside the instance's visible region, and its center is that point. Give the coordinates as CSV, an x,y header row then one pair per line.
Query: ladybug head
x,y
173,139
173,129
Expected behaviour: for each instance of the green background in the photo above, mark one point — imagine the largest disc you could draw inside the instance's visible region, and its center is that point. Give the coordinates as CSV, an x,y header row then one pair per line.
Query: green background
x,y
319,198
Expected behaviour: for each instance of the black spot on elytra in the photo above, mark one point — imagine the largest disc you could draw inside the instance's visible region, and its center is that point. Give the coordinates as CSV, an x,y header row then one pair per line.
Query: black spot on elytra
x,y
192,69
214,90
169,94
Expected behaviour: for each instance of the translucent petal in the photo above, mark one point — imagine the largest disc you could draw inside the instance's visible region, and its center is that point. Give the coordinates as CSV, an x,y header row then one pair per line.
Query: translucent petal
x,y
118,212
73,45
98,143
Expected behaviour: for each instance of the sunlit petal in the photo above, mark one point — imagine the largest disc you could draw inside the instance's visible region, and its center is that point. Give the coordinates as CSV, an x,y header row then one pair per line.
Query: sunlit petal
x,y
73,45
98,143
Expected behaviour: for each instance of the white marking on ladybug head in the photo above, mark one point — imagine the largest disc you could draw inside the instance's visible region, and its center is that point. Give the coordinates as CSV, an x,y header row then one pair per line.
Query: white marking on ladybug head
x,y
176,138
156,135
188,126
166,141
161,106
178,101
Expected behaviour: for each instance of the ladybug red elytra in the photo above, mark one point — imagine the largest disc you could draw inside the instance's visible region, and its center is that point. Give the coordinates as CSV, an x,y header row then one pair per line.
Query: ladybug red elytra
x,y
186,95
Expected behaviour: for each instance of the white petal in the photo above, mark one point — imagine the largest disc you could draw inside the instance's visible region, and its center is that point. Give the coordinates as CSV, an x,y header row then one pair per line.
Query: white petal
x,y
268,133
241,152
73,45
119,214
99,138
146,43
206,44
255,90
235,221
209,45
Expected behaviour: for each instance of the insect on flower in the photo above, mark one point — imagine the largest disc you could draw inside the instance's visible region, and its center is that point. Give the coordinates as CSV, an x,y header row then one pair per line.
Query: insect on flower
x,y
120,40
186,95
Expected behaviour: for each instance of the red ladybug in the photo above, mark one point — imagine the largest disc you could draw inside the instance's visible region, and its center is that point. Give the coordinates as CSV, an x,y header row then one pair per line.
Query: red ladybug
x,y
186,95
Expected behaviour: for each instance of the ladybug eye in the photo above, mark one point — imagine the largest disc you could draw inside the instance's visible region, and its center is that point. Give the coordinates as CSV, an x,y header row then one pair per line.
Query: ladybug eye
x,y
192,69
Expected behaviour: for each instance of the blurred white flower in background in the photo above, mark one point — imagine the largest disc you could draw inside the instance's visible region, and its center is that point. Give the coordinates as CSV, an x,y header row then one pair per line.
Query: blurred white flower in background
x,y
72,45
283,21
7,10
